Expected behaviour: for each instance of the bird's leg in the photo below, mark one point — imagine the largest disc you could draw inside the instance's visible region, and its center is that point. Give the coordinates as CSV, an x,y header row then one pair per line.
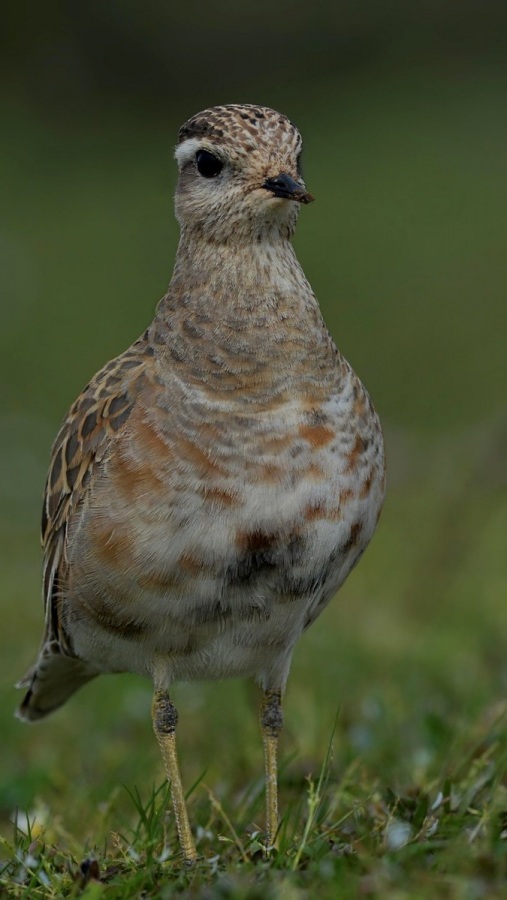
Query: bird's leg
x,y
271,725
165,719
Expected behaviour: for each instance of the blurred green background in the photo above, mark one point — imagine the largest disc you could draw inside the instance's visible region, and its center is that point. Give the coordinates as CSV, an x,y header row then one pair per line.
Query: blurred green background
x,y
403,110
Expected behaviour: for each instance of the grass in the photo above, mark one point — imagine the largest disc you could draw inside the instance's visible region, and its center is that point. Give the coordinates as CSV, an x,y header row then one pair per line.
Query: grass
x,y
353,837
393,759
411,798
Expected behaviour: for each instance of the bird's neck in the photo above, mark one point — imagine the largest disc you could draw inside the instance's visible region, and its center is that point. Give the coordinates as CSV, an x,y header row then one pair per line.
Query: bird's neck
x,y
242,313
238,271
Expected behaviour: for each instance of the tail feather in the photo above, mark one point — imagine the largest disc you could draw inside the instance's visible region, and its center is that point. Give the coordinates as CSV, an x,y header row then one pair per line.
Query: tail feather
x,y
50,682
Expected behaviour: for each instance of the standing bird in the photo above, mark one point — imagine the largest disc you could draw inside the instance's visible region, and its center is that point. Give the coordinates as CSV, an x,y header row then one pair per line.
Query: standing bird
x,y
213,486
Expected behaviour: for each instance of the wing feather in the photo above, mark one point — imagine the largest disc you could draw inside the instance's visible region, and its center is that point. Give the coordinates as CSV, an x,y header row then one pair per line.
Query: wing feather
x,y
98,416
96,419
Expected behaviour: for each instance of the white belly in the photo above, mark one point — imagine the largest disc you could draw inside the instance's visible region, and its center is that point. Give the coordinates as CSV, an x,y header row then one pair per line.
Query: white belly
x,y
226,573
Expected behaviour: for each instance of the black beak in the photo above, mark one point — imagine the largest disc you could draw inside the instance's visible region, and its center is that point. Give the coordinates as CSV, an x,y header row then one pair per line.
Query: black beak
x,y
286,187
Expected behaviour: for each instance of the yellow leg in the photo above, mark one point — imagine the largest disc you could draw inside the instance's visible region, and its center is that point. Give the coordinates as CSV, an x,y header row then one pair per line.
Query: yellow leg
x,y
271,725
165,719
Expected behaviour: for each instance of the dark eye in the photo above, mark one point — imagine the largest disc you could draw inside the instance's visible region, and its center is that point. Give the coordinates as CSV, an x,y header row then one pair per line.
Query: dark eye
x,y
299,164
208,165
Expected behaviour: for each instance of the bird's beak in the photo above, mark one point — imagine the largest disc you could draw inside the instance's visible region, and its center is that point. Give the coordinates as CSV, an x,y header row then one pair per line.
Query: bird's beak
x,y
286,187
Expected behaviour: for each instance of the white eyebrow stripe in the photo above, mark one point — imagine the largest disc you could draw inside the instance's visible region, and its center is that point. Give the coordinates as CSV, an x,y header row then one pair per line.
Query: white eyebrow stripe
x,y
185,151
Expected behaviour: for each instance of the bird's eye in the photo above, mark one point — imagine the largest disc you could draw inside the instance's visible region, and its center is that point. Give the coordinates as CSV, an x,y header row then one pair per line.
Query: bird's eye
x,y
208,165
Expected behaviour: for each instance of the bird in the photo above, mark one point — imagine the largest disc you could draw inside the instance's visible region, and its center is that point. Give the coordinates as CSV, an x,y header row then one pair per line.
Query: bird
x,y
212,487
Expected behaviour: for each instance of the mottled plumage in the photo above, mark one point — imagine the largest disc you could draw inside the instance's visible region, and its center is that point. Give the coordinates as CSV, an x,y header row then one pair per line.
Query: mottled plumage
x,y
212,487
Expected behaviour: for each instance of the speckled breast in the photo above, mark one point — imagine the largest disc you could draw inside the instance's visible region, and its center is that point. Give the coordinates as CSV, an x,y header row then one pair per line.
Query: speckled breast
x,y
238,513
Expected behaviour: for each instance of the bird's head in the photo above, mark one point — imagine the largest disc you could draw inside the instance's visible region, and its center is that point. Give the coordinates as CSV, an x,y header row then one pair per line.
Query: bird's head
x,y
239,174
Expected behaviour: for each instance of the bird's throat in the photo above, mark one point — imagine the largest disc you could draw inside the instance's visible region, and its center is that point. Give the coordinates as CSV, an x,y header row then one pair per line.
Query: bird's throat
x,y
242,315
